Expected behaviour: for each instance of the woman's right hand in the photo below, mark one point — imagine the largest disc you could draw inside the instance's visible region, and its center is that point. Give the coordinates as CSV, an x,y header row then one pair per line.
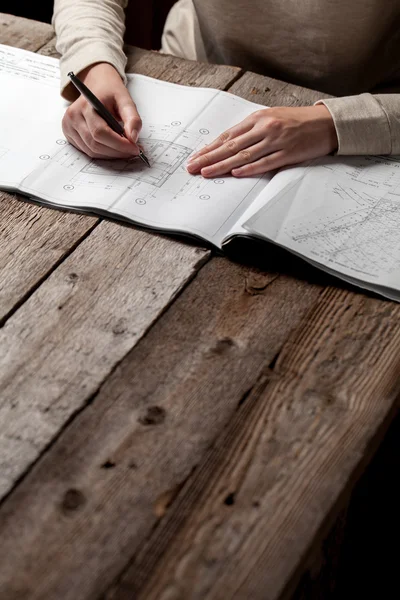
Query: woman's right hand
x,y
87,131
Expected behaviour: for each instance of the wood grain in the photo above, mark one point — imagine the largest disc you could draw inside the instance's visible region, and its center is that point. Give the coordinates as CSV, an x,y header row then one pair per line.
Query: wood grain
x,y
272,92
24,33
251,512
211,461
64,341
123,459
39,330
169,68
49,49
177,70
33,240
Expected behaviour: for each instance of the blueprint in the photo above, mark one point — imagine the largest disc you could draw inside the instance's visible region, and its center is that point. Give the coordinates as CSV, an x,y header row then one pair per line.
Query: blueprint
x,y
343,213
177,120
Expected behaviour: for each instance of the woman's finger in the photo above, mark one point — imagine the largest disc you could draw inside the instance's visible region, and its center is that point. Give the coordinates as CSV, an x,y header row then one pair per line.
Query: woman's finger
x,y
97,147
126,110
234,147
229,134
276,160
102,137
78,137
75,139
250,154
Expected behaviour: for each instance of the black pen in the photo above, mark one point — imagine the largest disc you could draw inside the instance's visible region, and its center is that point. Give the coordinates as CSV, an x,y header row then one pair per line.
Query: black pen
x,y
102,111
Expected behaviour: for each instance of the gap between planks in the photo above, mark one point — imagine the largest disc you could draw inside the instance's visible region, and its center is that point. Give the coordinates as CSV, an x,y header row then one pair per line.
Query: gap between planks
x,y
197,550
122,459
24,448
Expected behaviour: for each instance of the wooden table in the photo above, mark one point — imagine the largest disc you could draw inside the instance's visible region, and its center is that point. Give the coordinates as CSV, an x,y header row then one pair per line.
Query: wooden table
x,y
175,424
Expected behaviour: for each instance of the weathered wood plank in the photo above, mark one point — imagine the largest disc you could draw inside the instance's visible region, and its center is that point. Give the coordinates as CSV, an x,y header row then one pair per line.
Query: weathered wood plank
x,y
87,506
99,513
60,345
186,72
272,92
49,49
42,237
252,510
51,335
33,240
24,33
170,68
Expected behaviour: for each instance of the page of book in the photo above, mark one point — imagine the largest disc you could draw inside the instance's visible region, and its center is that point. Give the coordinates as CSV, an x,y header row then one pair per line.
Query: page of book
x,y
36,159
342,214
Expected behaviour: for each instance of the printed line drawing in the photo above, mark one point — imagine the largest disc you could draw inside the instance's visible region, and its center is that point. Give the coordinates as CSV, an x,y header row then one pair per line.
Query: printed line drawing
x,y
165,158
128,187
361,227
168,148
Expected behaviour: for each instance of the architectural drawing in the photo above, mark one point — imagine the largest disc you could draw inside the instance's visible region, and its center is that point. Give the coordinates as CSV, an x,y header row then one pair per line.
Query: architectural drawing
x,y
165,158
358,224
168,148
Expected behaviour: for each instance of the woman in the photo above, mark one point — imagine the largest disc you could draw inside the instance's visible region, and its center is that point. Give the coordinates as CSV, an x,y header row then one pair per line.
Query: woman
x,y
343,48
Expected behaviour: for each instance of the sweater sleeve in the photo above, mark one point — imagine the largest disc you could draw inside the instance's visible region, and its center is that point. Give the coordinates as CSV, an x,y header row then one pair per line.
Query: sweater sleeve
x,y
366,124
88,32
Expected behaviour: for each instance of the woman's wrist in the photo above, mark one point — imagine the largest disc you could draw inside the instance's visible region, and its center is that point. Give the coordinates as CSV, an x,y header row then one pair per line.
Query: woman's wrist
x,y
324,118
99,72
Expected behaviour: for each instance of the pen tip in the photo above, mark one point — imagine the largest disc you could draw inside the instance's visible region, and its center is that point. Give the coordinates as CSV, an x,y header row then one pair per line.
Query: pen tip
x,y
70,74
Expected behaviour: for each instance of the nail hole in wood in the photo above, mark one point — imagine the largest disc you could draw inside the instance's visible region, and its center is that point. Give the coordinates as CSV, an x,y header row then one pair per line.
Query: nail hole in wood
x,y
223,345
230,499
73,499
109,464
154,416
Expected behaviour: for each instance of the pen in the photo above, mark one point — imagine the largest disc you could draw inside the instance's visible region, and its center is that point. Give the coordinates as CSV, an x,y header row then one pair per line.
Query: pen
x,y
102,111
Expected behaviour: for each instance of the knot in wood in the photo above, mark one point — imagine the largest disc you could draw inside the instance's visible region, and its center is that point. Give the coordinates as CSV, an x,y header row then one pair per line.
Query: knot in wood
x,y
257,283
154,416
73,499
120,327
223,345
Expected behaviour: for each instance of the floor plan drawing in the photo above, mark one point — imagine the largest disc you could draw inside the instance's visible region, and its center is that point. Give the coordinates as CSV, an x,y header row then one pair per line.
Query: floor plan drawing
x,y
164,193
165,158
168,148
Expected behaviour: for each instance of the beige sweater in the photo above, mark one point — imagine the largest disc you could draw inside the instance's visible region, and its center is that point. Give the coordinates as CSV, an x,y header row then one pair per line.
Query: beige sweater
x,y
348,48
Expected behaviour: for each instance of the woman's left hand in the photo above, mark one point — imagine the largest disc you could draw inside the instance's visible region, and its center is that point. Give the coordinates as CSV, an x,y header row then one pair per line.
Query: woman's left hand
x,y
266,140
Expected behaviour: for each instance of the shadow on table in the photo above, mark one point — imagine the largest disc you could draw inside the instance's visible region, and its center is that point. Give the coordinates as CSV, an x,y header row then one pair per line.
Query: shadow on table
x,y
249,252
268,257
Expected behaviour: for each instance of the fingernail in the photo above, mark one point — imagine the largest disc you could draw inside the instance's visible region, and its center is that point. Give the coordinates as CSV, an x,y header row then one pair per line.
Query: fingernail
x,y
134,136
191,158
193,166
207,171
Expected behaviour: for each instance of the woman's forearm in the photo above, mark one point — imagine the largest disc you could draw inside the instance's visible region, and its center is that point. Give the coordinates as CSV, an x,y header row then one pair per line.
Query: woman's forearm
x,y
367,123
88,32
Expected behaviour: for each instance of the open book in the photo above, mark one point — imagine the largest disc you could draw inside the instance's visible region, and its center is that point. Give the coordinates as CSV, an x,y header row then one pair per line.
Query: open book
x,y
342,215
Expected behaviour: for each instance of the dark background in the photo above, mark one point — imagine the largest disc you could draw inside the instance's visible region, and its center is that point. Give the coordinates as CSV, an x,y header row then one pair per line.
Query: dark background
x,y
151,15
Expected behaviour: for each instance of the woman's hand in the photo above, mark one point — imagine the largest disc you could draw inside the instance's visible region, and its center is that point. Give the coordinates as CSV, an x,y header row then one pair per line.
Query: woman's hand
x,y
266,140
87,131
